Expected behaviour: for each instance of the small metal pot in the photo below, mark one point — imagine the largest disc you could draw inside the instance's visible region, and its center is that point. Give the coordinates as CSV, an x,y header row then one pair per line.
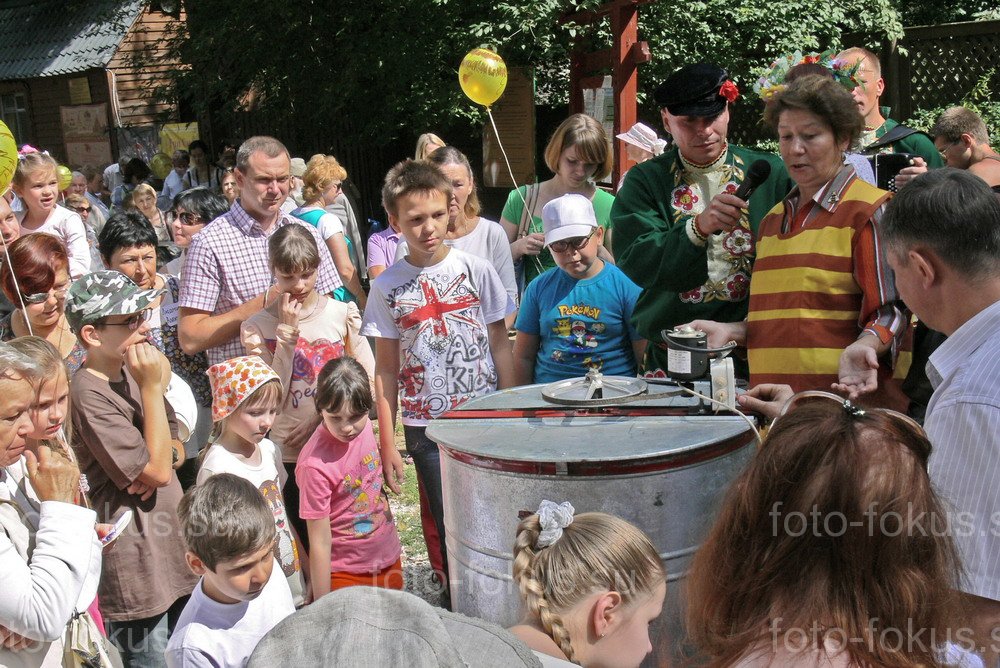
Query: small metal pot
x,y
687,353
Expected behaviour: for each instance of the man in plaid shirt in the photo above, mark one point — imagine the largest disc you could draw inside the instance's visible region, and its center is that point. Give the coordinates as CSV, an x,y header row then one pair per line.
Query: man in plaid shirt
x,y
226,276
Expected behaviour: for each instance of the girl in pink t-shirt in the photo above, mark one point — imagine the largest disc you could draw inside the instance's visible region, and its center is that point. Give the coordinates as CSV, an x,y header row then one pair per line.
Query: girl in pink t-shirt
x,y
352,537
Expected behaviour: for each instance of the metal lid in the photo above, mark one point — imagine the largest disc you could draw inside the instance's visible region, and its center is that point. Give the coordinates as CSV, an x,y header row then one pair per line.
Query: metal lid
x,y
520,425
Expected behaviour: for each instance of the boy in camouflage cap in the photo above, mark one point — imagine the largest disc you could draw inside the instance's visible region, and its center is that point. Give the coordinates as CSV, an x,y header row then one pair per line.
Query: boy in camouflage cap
x,y
126,437
103,294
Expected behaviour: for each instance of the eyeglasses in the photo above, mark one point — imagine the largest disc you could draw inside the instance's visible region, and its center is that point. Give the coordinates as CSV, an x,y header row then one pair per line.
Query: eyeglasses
x,y
80,209
944,149
42,297
134,321
577,243
339,185
190,219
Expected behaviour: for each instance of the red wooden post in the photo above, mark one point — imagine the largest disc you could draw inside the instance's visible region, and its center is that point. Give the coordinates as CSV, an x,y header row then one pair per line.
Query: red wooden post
x,y
623,59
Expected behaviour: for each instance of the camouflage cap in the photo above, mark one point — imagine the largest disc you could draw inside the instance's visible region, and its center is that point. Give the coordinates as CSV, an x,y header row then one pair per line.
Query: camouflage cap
x,y
102,294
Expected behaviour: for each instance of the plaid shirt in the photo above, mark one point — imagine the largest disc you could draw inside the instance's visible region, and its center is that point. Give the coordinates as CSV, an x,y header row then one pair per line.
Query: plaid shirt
x,y
227,266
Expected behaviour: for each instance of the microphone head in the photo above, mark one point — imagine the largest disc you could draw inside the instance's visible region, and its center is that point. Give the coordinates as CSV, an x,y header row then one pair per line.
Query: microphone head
x,y
758,172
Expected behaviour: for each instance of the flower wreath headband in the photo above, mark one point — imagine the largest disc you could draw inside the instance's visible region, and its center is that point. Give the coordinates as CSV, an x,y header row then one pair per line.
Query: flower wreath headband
x,y
772,81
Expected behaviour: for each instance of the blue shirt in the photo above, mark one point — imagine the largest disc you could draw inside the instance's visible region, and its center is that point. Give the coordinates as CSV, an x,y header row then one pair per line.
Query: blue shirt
x,y
581,324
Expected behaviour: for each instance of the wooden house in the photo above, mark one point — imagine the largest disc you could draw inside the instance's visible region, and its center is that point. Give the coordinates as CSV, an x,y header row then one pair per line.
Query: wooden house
x,y
80,78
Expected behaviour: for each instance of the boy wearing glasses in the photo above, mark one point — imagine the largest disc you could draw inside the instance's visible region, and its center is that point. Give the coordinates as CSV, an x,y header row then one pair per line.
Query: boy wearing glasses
x,y
577,316
125,435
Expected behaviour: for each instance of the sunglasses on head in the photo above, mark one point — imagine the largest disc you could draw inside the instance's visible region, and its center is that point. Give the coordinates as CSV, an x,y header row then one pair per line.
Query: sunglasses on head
x,y
855,411
576,243
42,297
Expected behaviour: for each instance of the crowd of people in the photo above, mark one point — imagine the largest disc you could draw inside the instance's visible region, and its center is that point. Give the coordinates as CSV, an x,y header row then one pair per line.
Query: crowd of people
x,y
235,388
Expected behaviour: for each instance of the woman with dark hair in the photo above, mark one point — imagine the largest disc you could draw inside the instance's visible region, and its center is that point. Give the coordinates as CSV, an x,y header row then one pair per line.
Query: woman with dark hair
x,y
128,244
201,173
193,210
831,549
37,288
824,311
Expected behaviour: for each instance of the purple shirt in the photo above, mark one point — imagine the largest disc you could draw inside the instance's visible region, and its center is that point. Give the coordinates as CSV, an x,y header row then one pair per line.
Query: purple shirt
x,y
226,266
382,248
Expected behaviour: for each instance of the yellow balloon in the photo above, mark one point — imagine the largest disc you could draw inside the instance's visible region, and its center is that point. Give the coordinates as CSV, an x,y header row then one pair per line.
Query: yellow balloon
x,y
65,175
8,156
161,164
483,76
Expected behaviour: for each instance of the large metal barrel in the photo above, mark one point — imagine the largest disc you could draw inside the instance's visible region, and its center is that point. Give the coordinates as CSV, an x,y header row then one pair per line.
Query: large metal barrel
x,y
662,463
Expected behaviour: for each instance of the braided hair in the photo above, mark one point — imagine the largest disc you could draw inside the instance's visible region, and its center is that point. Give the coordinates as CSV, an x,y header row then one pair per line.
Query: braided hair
x,y
597,552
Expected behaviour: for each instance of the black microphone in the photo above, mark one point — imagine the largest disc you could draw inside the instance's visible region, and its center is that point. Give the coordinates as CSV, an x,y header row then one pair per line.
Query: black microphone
x,y
756,175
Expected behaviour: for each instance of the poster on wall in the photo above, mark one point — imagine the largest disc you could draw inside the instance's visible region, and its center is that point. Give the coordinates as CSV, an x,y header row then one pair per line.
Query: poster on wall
x,y
138,141
81,153
514,114
177,136
85,132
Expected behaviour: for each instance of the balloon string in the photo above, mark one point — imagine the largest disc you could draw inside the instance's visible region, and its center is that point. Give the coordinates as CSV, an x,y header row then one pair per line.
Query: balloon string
x,y
510,171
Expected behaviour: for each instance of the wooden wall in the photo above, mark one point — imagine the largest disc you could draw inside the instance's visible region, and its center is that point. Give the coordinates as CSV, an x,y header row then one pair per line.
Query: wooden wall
x,y
44,97
140,67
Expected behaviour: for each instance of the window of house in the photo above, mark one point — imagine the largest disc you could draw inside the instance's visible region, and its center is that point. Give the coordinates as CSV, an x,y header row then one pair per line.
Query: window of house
x,y
14,112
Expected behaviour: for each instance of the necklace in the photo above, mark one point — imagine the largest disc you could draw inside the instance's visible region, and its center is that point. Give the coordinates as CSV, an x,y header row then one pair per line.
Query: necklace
x,y
60,326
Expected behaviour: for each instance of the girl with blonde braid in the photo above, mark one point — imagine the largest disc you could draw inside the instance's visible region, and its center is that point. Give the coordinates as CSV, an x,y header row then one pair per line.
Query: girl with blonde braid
x,y
591,585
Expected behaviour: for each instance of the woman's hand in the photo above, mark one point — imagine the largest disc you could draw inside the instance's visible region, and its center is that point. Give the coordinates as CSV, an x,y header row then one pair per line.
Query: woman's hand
x,y
766,399
858,368
530,244
290,310
52,476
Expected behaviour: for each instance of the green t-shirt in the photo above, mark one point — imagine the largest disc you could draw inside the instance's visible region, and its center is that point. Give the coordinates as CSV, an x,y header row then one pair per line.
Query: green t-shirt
x,y
537,264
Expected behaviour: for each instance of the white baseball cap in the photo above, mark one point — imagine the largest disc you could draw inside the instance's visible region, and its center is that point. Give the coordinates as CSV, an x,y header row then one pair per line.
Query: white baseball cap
x,y
566,217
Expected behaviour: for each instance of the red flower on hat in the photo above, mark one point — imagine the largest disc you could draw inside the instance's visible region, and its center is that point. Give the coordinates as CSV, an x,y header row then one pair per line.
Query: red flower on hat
x,y
729,91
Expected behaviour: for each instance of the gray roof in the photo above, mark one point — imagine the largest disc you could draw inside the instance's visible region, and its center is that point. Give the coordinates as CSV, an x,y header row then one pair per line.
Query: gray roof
x,y
41,38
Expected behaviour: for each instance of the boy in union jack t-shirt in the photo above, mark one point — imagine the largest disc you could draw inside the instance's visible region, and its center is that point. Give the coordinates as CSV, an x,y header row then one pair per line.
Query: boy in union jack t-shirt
x,y
437,316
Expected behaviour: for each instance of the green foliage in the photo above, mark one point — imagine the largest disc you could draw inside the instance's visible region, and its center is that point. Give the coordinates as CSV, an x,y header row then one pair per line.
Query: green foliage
x,y
980,100
372,70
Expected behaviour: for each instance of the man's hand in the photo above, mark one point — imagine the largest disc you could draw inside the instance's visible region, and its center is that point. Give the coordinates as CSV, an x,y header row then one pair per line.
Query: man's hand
x,y
720,333
858,369
52,476
143,363
766,399
917,167
290,310
722,215
393,470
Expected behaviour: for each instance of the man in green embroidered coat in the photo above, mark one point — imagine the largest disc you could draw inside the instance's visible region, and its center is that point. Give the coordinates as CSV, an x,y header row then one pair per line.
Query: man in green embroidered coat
x,y
680,232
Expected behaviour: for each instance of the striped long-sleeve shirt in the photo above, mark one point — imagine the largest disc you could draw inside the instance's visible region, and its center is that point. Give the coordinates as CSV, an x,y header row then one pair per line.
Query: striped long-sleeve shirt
x,y
963,424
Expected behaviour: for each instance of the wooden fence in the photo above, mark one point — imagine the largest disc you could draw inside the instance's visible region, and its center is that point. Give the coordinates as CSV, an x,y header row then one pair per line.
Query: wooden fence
x,y
942,64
